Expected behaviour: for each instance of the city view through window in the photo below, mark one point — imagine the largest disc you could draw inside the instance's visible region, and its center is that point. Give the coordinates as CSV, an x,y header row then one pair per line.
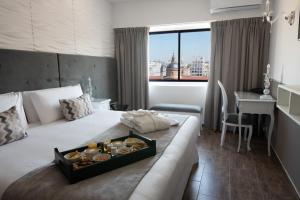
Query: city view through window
x,y
193,47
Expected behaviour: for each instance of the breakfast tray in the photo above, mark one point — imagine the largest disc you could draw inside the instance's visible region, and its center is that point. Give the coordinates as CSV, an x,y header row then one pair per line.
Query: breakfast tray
x,y
97,168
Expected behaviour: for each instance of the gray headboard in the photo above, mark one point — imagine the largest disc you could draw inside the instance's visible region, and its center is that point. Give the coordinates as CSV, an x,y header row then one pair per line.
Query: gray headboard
x,y
24,70
102,70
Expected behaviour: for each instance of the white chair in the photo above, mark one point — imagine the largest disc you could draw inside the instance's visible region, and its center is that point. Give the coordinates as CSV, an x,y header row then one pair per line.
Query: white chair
x,y
231,119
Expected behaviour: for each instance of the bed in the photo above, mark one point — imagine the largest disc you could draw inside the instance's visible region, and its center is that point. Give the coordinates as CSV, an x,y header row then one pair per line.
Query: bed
x,y
167,177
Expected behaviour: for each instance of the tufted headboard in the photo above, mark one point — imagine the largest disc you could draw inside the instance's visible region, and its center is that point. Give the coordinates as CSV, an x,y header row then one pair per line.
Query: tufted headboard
x,y
76,69
24,70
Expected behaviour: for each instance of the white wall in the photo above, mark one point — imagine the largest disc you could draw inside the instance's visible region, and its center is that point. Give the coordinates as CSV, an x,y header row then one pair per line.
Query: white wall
x,y
285,68
60,26
192,93
157,12
177,92
285,47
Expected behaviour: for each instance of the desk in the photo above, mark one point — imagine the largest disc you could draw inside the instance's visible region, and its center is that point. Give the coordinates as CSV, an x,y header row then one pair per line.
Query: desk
x,y
249,102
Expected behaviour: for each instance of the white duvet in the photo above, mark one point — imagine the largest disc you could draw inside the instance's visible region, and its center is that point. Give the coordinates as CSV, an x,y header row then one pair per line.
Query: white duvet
x,y
166,179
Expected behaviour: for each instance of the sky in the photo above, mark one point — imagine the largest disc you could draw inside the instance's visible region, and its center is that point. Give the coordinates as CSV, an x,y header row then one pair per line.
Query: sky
x,y
193,44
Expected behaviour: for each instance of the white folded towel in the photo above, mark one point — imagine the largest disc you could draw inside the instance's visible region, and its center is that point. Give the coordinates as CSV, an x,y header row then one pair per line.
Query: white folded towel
x,y
145,121
127,122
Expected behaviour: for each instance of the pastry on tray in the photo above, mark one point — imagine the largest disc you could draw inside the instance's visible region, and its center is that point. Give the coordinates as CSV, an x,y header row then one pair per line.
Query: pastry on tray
x,y
117,143
131,141
101,157
124,150
73,156
138,146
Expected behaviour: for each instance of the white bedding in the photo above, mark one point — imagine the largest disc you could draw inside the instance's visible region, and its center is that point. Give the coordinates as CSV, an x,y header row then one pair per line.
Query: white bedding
x,y
166,179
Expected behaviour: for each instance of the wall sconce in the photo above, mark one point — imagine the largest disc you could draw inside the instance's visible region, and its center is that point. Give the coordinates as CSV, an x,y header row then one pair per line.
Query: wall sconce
x,y
290,18
268,15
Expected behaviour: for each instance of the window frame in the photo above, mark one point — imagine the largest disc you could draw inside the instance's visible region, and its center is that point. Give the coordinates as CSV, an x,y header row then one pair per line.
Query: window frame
x,y
179,51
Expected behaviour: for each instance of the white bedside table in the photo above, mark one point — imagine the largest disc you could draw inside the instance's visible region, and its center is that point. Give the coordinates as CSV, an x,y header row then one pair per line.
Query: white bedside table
x,y
101,104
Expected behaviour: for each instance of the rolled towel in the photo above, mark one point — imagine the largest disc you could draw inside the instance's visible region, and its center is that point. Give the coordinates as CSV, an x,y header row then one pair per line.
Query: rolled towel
x,y
145,121
127,122
136,113
128,117
149,123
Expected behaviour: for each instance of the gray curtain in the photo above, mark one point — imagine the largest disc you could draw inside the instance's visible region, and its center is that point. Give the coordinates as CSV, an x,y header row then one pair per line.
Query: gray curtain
x,y
131,46
239,55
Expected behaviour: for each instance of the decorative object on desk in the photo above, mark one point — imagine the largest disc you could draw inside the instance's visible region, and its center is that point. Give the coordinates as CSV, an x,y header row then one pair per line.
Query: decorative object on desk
x,y
267,84
89,88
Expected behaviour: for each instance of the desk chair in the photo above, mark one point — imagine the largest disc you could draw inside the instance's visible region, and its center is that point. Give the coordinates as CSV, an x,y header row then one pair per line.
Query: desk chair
x,y
231,119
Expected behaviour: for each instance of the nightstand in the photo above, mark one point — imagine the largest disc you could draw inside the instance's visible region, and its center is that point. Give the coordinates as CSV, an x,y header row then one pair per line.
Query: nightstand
x,y
101,104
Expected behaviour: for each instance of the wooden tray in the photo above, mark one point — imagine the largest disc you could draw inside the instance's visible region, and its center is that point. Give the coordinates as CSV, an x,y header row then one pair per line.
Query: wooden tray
x,y
97,168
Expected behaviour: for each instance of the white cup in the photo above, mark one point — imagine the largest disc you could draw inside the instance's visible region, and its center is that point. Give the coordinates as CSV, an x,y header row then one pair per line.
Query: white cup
x,y
114,151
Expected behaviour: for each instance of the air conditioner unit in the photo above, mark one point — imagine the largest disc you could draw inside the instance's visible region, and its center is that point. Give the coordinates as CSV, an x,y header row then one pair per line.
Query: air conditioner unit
x,y
217,6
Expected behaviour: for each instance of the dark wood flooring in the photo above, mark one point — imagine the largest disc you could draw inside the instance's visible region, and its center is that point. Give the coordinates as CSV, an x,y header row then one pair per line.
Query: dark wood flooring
x,y
224,174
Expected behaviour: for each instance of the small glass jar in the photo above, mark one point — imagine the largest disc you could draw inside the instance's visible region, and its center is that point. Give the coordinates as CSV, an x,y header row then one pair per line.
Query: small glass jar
x,y
105,144
109,146
113,151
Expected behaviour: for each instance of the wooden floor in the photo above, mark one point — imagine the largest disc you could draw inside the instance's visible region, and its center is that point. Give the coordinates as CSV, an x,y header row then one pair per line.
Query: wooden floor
x,y
224,174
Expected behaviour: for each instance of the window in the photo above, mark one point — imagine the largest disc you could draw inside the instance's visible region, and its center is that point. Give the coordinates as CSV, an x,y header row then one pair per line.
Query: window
x,y
191,46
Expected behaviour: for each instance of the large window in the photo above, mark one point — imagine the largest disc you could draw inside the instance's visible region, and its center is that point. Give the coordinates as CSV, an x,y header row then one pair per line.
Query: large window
x,y
191,46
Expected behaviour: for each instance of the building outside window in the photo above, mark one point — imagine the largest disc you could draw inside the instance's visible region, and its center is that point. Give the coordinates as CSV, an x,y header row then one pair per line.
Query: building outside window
x,y
191,46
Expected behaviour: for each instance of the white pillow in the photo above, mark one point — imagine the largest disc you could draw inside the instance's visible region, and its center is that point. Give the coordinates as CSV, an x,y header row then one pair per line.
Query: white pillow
x,y
9,100
30,112
46,102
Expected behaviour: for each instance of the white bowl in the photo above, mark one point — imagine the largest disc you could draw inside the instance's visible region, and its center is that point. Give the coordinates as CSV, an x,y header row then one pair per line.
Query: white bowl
x,y
74,158
91,152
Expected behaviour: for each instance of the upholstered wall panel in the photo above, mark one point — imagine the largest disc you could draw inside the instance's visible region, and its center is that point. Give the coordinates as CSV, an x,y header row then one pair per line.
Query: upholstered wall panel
x,y
69,26
94,33
53,26
76,69
15,25
23,70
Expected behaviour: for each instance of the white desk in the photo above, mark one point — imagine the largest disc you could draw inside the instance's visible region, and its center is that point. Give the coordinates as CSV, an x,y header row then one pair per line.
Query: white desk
x,y
249,102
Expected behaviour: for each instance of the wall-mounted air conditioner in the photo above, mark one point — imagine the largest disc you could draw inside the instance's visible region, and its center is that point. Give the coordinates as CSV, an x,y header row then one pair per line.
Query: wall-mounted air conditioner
x,y
230,5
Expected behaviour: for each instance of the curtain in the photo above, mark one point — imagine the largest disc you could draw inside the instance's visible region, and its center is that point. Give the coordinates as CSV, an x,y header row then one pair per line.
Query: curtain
x,y
131,49
239,55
